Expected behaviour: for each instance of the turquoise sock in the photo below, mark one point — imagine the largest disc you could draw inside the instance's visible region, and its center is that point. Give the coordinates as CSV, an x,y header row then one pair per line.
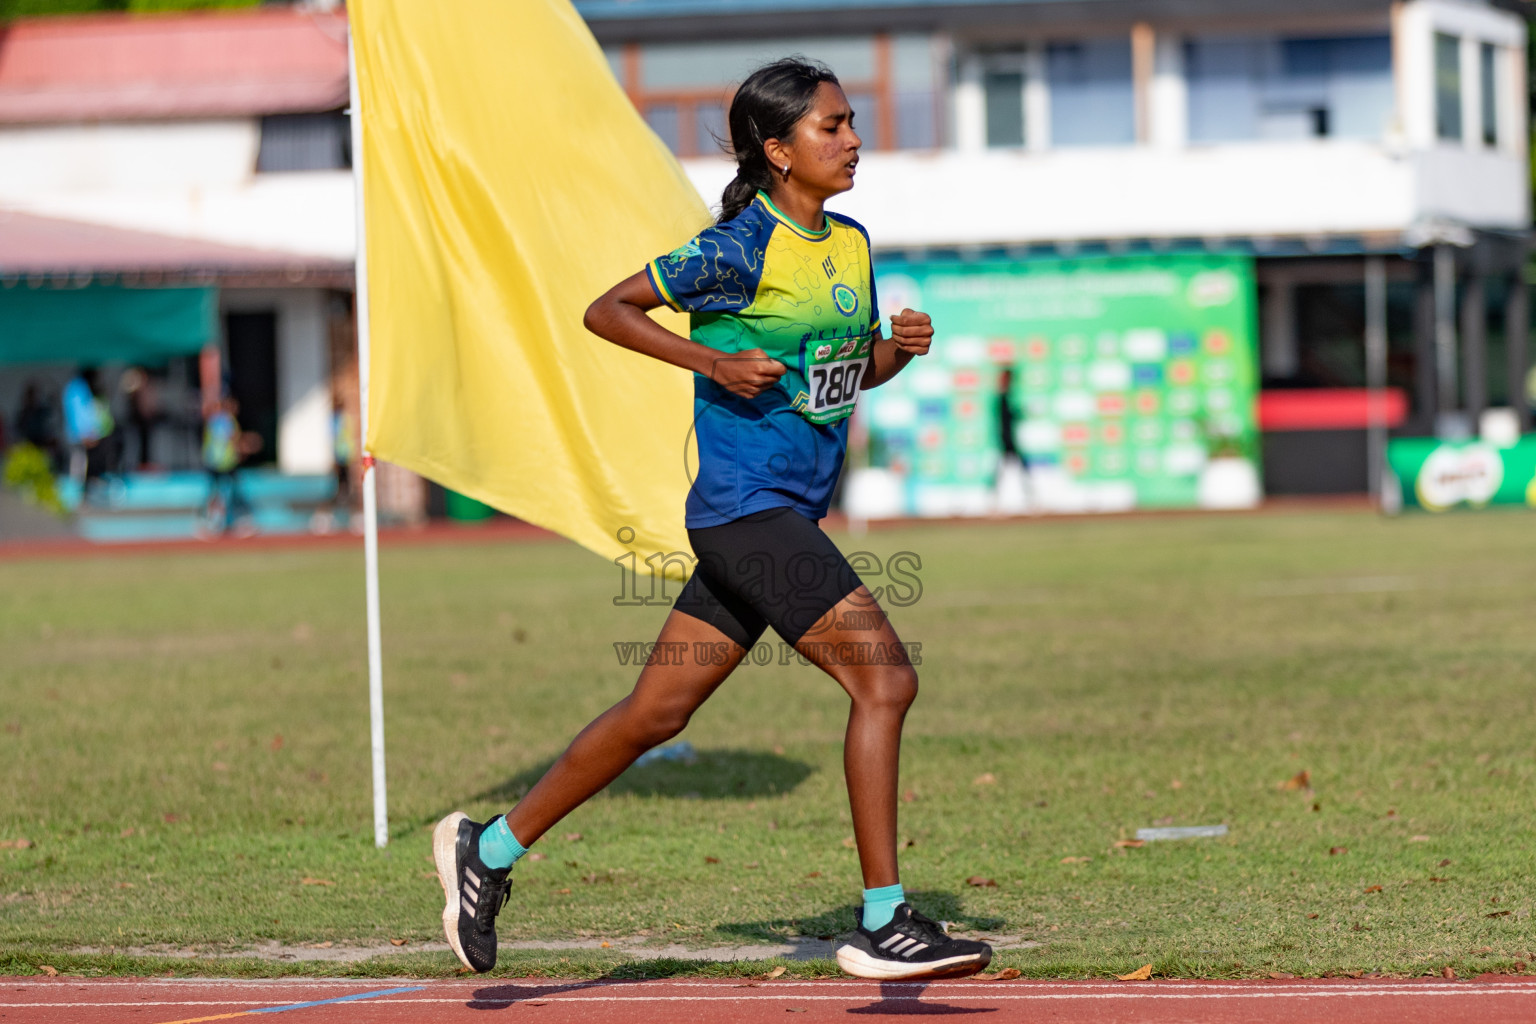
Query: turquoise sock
x,y
499,848
880,905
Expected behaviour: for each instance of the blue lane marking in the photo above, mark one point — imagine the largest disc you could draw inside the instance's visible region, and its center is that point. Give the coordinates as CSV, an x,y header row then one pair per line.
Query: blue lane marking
x,y
339,999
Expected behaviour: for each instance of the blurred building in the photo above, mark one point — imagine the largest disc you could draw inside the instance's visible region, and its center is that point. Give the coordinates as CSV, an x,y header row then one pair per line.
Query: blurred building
x,y
178,181
172,183
1321,141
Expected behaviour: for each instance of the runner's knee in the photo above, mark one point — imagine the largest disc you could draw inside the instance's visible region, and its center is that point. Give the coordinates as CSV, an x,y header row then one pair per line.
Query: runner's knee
x,y
654,722
892,688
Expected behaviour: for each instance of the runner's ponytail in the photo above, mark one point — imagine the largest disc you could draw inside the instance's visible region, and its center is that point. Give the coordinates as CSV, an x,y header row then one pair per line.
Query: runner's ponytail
x,y
767,106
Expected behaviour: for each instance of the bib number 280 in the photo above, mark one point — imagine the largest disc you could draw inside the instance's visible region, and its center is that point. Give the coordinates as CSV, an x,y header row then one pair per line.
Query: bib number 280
x,y
834,387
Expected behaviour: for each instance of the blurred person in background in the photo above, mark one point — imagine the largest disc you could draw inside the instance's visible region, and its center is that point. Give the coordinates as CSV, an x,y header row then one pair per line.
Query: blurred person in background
x,y
34,421
89,429
1010,483
225,446
344,434
145,412
28,464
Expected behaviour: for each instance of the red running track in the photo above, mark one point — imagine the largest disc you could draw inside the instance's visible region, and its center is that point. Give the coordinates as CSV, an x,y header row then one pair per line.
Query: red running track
x,y
346,1001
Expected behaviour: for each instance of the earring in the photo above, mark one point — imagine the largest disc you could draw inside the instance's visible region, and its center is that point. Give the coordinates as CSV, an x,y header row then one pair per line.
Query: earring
x,y
786,171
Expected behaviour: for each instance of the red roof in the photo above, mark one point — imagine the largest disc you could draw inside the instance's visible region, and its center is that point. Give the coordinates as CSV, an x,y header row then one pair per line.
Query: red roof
x,y
123,67
32,246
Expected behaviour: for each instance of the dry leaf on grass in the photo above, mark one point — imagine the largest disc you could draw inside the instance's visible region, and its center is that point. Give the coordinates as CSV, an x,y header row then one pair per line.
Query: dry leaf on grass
x,y
981,883
1141,973
909,796
1444,863
320,945
1311,917
1448,972
606,945
52,972
711,860
1175,784
316,881
15,844
777,972
398,942
1437,878
124,885
1373,888
1130,844
1280,975
1418,839
1499,913
1076,860
1006,974
277,742
984,779
1301,780
1334,851
572,837
536,855
849,843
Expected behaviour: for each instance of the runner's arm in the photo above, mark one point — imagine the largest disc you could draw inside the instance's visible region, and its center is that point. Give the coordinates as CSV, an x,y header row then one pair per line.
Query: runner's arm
x,y
619,316
911,335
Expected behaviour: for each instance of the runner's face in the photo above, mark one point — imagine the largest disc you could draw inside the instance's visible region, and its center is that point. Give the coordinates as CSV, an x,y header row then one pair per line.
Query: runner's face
x,y
823,150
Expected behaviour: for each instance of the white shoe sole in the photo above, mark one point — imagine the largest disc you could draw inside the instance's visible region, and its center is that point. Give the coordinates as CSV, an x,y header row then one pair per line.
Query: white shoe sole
x,y
445,842
861,965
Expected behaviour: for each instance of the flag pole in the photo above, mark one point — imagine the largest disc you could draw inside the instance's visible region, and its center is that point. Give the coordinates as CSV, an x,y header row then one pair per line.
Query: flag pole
x,y
370,483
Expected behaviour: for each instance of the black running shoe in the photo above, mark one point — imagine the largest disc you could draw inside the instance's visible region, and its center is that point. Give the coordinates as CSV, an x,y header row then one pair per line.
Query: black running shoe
x,y
474,893
911,946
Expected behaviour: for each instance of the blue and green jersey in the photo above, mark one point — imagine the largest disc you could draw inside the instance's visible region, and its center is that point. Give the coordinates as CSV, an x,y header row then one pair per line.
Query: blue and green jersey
x,y
807,299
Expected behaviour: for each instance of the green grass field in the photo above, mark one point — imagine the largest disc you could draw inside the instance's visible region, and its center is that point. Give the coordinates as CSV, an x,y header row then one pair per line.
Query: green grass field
x,y
185,743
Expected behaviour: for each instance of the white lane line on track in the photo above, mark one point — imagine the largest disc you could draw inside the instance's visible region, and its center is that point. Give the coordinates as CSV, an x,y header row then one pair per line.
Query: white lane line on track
x,y
849,998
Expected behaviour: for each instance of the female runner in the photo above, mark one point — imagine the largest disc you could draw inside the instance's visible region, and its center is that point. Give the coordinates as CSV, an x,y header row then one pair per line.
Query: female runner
x,y
784,336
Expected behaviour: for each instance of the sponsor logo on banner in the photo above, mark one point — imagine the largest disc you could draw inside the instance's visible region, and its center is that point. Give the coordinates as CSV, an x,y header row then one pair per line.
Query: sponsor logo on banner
x,y
823,351
1451,476
1212,288
846,349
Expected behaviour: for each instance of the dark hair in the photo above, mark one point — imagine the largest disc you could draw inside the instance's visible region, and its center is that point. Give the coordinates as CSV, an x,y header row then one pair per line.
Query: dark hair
x,y
767,106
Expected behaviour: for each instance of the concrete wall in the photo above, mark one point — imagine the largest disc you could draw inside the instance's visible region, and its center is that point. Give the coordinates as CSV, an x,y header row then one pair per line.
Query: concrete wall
x,y
194,179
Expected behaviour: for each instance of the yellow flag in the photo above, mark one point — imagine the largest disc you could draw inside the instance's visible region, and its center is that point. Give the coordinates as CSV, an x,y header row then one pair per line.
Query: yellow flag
x,y
507,183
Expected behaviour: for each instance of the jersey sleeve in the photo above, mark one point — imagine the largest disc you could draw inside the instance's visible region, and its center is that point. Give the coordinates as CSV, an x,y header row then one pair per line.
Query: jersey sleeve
x,y
716,272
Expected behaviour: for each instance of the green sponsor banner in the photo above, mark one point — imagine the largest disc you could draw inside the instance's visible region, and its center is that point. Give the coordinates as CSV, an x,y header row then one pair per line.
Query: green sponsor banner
x,y
1439,475
1134,382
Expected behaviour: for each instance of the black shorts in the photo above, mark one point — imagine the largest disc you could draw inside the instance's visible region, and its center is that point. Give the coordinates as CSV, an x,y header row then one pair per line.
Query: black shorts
x,y
772,568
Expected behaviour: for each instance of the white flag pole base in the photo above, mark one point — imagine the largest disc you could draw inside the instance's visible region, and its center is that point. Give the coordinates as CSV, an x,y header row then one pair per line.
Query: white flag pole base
x,y
375,650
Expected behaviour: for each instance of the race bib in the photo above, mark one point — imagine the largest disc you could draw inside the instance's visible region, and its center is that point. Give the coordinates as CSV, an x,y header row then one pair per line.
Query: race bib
x,y
834,373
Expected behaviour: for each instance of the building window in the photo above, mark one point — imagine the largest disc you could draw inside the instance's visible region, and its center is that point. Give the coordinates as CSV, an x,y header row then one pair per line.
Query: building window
x,y
305,142
1255,87
1003,93
1092,99
683,90
1490,94
915,86
1448,86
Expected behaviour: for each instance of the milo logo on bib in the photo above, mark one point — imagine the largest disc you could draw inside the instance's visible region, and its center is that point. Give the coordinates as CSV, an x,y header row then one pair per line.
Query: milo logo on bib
x,y
833,365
